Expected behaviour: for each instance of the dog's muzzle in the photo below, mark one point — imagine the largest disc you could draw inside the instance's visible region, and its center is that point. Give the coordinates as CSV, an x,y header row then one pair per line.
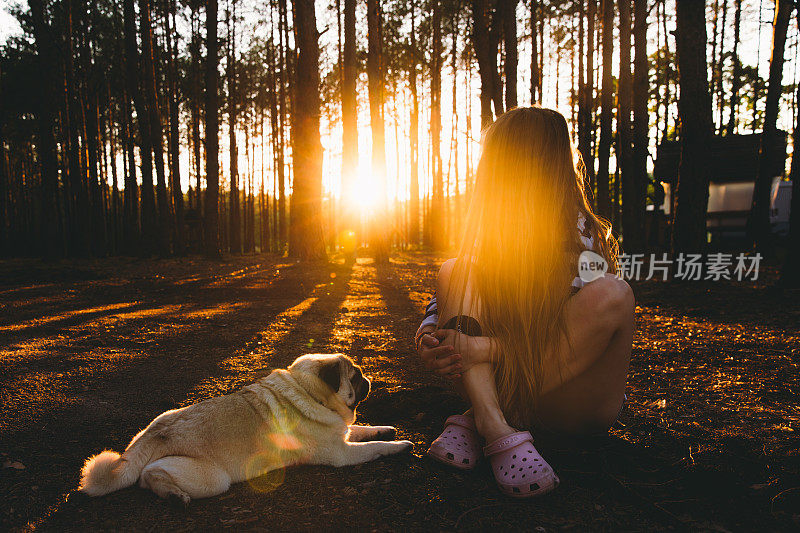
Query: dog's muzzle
x,y
362,390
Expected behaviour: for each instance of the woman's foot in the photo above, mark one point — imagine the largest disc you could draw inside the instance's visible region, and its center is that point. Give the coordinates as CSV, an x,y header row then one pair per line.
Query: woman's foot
x,y
459,443
518,468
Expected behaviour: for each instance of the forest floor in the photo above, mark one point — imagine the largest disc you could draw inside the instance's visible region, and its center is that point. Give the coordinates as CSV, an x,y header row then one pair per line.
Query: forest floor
x,y
91,351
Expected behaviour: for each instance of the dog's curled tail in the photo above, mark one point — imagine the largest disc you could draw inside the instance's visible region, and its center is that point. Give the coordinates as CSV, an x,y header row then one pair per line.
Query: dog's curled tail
x,y
106,472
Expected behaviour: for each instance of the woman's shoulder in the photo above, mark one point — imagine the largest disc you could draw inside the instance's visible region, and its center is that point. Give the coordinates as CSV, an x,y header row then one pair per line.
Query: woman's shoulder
x,y
447,268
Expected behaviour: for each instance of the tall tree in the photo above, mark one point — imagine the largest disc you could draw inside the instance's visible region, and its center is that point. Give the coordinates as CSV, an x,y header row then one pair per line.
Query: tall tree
x,y
694,111
736,82
165,217
606,113
791,265
48,53
758,222
414,134
586,134
133,81
631,219
211,218
636,195
437,218
536,79
174,131
305,229
509,13
486,56
375,78
235,222
349,116
130,200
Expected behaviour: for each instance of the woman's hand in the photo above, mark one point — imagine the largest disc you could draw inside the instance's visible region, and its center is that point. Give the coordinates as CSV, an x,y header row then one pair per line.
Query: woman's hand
x,y
438,357
472,350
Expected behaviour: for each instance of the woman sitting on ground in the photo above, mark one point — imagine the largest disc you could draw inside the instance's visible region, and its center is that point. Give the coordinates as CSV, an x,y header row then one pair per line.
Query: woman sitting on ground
x,y
531,346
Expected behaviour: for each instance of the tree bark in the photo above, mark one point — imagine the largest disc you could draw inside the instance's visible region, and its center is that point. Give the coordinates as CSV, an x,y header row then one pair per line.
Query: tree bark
x,y
235,220
694,111
47,52
349,117
375,78
635,232
174,131
604,148
736,81
81,228
164,203
495,34
791,265
4,182
283,223
130,200
414,137
484,54
536,92
306,237
758,222
631,218
211,222
437,216
510,44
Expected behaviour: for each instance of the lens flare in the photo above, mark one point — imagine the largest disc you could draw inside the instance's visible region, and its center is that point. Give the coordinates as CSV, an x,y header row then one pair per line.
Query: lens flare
x,y
265,471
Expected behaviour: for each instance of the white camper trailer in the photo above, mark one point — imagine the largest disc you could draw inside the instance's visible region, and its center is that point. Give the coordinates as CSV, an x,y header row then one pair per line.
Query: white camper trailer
x,y
733,165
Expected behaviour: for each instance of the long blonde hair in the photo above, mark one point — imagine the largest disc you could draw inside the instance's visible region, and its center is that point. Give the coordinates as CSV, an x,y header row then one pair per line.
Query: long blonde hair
x,y
521,245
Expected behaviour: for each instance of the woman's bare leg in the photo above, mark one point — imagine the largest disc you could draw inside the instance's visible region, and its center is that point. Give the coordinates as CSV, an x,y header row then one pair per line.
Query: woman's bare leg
x,y
477,382
588,394
584,390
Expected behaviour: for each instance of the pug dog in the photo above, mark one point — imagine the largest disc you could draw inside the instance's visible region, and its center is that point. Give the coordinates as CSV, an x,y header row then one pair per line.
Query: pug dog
x,y
301,415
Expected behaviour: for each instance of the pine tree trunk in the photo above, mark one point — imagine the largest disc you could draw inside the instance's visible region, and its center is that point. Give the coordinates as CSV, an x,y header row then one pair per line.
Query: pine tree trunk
x,y
631,219
694,109
375,76
484,54
211,218
736,81
536,93
235,221
164,203
349,118
791,265
758,222
604,148
4,179
92,145
80,231
720,63
47,53
437,216
635,233
496,17
510,44
306,238
174,132
414,213
588,137
283,223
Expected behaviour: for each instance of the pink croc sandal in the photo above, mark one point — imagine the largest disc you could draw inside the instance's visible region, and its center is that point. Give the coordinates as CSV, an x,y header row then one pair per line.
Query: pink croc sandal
x,y
518,468
459,443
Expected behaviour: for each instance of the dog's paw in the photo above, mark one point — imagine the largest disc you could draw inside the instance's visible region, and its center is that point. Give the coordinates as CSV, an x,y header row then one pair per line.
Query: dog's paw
x,y
404,446
178,500
385,433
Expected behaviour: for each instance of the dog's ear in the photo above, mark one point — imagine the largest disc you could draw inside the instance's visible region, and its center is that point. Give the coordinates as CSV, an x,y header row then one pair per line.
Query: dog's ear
x,y
330,373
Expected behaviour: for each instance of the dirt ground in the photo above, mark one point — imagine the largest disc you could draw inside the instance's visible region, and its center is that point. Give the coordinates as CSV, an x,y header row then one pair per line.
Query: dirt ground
x,y
90,352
